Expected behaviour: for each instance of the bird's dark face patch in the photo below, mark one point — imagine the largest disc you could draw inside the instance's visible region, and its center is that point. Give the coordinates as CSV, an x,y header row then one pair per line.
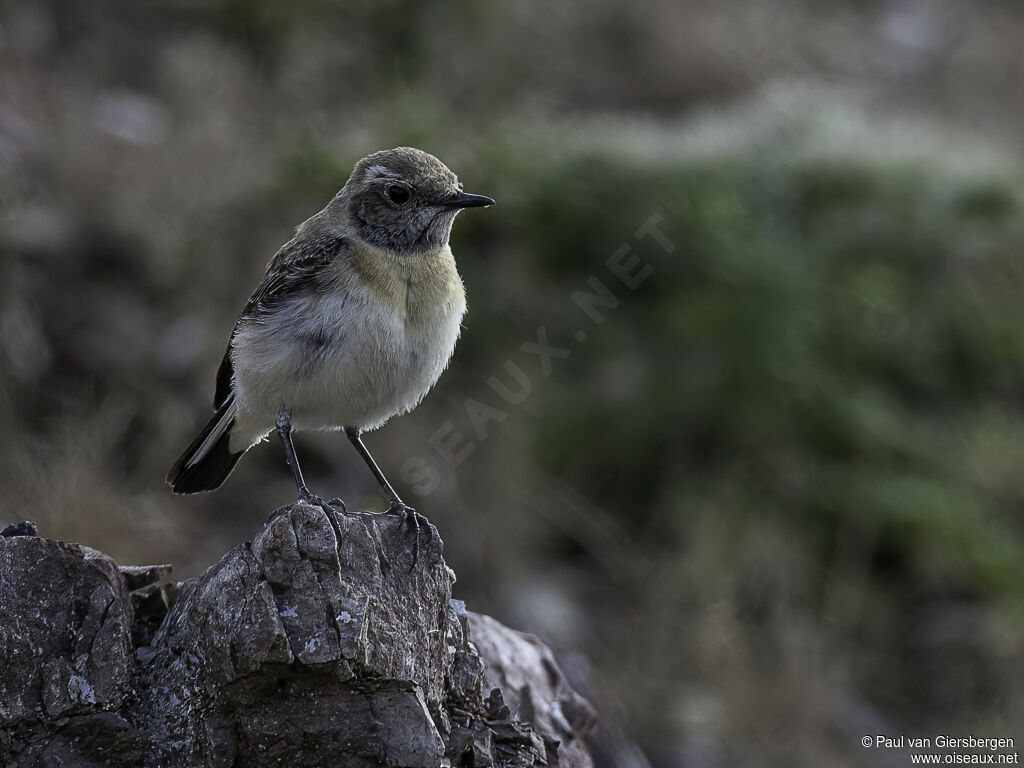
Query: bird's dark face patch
x,y
400,200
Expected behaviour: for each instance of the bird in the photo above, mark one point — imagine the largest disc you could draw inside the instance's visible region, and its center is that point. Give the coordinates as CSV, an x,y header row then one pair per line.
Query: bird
x,y
353,323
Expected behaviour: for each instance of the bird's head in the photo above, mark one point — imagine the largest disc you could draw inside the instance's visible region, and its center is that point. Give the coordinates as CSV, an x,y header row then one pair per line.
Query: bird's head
x,y
404,201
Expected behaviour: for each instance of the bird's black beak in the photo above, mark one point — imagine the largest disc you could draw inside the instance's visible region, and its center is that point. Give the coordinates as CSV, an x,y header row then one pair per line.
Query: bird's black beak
x,y
466,200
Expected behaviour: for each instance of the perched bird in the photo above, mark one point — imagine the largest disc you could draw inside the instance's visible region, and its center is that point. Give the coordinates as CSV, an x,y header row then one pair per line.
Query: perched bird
x,y
355,320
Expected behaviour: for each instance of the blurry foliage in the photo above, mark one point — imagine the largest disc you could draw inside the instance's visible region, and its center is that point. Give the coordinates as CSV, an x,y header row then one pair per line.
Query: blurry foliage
x,y
826,334
822,385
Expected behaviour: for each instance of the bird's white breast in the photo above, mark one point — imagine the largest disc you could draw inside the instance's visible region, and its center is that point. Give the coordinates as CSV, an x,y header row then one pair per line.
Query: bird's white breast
x,y
353,356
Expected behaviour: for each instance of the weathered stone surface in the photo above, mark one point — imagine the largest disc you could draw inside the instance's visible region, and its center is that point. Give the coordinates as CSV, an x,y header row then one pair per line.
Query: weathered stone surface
x,y
24,528
140,576
65,633
301,648
534,688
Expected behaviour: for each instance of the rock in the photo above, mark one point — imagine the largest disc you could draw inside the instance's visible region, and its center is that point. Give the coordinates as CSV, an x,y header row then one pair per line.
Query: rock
x,y
524,672
65,642
140,576
301,648
24,528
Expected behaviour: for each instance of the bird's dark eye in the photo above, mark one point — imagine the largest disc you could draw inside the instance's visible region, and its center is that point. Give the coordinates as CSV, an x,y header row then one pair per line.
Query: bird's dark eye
x,y
398,194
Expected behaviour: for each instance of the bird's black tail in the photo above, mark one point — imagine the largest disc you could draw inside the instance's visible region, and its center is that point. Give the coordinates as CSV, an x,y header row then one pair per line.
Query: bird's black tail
x,y
208,460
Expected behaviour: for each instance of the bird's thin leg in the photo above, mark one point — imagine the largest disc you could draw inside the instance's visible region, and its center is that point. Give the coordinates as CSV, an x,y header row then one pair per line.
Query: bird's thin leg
x,y
284,430
395,505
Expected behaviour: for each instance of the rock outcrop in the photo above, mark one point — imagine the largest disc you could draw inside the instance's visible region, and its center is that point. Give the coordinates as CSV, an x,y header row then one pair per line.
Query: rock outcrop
x,y
312,645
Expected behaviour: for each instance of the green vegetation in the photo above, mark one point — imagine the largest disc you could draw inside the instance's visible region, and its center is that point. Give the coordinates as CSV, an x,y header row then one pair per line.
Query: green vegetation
x,y
811,414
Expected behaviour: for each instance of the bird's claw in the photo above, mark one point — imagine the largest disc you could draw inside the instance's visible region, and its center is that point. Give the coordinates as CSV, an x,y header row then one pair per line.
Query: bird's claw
x,y
413,521
335,504
330,508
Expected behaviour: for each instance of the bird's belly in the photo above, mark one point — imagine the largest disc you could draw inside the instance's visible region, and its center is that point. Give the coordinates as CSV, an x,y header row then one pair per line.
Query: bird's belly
x,y
368,380
358,372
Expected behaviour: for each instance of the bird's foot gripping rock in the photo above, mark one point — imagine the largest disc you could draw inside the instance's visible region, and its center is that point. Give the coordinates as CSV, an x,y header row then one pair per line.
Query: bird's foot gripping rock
x,y
414,521
331,509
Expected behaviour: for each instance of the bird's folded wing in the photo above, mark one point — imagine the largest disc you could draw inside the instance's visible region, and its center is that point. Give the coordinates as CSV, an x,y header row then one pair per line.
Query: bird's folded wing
x,y
295,269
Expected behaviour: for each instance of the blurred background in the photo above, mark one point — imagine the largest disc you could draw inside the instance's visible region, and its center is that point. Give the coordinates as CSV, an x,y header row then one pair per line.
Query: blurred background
x,y
766,497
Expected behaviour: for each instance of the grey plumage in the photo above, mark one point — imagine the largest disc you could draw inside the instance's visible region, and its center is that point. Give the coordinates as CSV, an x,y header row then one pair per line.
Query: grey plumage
x,y
354,321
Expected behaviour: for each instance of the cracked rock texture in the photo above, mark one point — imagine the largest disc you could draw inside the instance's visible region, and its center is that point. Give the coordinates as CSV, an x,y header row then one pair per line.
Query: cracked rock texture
x,y
309,646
